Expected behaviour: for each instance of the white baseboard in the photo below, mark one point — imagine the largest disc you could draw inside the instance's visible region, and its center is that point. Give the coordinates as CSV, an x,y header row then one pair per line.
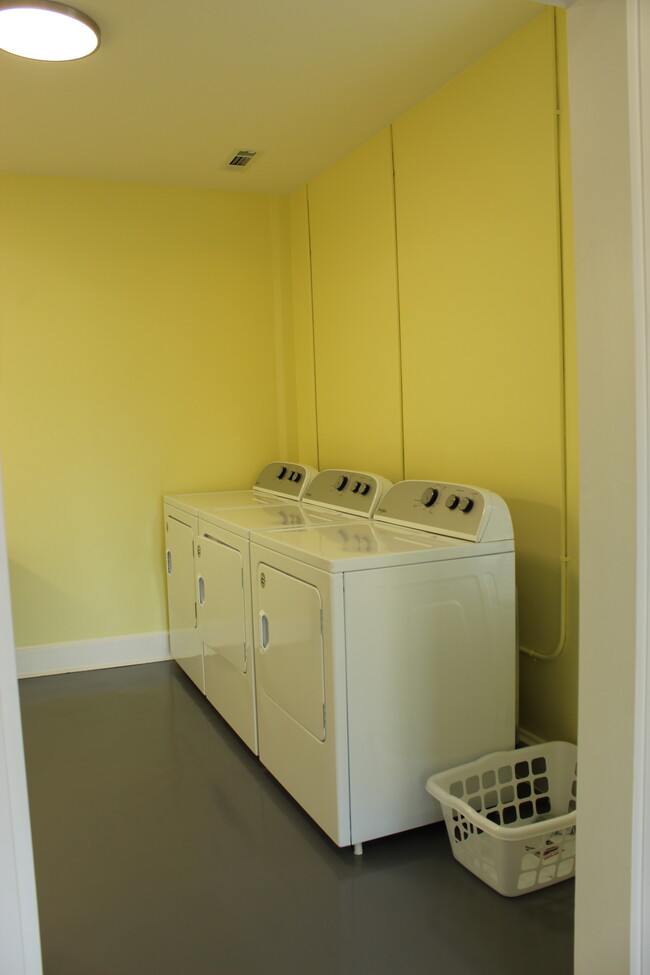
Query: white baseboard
x,y
529,738
115,651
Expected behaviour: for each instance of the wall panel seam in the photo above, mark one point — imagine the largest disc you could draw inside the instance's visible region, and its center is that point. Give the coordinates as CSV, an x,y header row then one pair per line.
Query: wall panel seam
x,y
313,327
398,307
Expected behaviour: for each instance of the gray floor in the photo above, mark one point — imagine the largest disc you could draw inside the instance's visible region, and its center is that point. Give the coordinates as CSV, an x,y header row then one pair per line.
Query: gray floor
x,y
163,848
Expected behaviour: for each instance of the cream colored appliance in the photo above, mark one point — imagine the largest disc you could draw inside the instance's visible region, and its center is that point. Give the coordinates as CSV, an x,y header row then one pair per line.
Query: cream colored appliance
x,y
223,581
276,481
385,651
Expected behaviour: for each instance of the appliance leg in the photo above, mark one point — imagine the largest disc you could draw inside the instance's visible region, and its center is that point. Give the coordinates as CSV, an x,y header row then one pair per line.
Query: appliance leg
x,y
358,849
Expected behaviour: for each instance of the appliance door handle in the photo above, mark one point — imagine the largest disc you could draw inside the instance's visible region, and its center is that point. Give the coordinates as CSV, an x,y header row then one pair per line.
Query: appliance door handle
x,y
169,562
264,631
201,583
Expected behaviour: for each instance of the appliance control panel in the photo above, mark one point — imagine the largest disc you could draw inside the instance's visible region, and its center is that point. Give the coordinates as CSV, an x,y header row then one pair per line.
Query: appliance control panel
x,y
457,510
355,492
285,479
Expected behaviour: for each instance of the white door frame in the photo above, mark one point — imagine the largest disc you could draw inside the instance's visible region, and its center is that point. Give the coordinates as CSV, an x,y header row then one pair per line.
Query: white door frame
x,y
20,949
609,66
639,99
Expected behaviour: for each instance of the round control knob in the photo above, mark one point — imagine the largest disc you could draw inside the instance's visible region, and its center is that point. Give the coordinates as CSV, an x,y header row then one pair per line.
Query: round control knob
x,y
356,487
364,489
466,504
342,481
297,476
452,501
429,497
281,473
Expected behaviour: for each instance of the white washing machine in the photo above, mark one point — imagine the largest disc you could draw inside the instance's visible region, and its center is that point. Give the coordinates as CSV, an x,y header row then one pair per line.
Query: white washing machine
x,y
281,479
384,652
223,581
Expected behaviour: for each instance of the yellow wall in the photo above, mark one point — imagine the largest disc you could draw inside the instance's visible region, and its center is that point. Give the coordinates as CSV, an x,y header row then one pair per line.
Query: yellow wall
x,y
549,691
138,354
355,312
285,365
466,310
302,322
161,339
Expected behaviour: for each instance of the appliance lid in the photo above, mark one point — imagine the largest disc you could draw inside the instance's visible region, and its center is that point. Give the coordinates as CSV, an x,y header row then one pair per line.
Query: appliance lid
x,y
191,503
273,517
369,545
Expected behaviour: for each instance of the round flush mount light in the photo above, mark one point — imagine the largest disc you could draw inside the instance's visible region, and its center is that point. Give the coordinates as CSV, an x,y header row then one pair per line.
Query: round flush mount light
x,y
46,31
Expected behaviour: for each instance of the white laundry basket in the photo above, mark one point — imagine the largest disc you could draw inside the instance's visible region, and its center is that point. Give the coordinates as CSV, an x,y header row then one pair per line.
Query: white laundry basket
x,y
511,816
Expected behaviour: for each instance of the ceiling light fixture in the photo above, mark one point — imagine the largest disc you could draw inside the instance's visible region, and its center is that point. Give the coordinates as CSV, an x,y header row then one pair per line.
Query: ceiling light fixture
x,y
46,31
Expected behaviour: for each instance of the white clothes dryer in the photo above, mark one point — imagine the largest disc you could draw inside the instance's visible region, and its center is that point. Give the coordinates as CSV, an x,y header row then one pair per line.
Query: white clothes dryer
x,y
385,651
276,481
223,582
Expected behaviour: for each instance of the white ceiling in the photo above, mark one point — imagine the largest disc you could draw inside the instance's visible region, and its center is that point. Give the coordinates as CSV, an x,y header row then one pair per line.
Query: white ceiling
x,y
178,85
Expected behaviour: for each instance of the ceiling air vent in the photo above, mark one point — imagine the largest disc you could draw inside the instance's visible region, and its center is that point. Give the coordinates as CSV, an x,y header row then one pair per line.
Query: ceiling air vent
x,y
242,158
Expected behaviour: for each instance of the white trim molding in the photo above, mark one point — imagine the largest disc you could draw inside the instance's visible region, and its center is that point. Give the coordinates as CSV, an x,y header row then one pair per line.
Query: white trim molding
x,y
529,738
20,947
115,651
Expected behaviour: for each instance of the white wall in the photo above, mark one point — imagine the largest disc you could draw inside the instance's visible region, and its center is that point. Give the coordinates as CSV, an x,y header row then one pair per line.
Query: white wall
x,y
20,952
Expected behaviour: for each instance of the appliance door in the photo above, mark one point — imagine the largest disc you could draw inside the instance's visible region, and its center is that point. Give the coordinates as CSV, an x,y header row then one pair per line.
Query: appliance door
x,y
225,628
290,659
300,673
184,642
